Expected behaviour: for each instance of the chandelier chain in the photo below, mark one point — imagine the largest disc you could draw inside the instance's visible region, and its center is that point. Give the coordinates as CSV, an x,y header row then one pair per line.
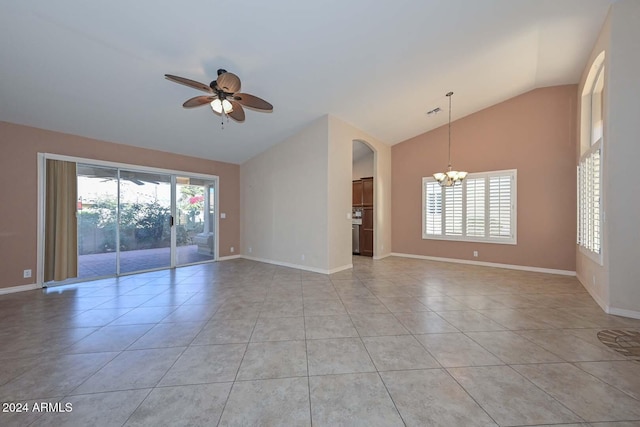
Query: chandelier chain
x,y
449,96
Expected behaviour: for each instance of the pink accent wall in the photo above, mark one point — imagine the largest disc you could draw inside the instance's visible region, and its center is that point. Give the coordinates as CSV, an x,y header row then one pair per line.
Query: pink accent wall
x,y
18,191
534,133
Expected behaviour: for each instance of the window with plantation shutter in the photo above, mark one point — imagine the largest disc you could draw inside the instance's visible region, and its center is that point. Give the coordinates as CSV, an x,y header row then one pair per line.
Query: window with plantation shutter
x,y
476,207
589,201
433,209
500,206
481,209
590,171
453,211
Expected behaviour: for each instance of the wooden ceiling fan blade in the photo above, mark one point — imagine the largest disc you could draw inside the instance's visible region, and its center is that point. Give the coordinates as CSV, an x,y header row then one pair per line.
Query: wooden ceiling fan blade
x,y
237,113
252,101
188,82
228,82
198,101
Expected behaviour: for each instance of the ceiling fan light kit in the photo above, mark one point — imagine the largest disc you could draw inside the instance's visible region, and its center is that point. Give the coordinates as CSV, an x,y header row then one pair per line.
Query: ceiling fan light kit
x,y
450,177
224,96
218,106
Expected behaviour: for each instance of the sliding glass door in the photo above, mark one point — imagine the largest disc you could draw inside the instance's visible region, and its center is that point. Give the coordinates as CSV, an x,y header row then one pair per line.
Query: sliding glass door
x,y
194,220
97,214
131,221
144,221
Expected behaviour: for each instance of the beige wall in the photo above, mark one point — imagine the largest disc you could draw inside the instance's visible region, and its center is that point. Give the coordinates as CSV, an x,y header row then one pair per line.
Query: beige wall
x,y
622,153
284,201
339,196
534,133
18,194
296,197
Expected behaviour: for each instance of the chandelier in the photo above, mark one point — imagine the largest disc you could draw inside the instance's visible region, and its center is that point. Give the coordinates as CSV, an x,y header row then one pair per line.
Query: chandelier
x,y
450,177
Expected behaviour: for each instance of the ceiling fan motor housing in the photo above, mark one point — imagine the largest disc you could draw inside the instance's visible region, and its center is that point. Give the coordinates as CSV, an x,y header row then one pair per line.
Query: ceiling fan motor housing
x,y
214,84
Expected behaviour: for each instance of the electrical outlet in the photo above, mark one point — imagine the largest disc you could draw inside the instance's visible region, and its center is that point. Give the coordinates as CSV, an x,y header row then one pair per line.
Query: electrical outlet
x,y
250,249
223,215
232,249
594,279
475,254
302,257
26,274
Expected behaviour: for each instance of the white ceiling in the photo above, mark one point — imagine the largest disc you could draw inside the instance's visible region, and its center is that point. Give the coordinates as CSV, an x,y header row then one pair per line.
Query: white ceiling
x,y
96,68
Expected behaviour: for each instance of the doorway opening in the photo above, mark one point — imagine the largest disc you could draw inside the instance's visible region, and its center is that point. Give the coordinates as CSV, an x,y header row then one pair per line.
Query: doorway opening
x,y
362,227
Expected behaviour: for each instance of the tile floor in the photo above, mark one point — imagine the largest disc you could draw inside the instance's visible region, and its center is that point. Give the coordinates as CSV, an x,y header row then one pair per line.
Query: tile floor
x,y
241,343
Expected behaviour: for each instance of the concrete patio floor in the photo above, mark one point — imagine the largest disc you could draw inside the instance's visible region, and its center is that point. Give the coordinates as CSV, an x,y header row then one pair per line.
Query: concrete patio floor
x,y
101,265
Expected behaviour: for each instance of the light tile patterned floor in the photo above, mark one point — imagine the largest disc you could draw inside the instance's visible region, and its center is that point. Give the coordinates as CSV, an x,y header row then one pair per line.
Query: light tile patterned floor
x,y
241,343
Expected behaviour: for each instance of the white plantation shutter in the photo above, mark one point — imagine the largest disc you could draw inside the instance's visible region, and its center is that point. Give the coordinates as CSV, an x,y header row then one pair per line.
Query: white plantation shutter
x,y
453,211
481,209
581,210
595,201
433,208
500,206
589,188
475,207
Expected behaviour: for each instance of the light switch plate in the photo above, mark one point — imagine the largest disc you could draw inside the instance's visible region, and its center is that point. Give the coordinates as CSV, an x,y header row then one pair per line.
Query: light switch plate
x,y
223,215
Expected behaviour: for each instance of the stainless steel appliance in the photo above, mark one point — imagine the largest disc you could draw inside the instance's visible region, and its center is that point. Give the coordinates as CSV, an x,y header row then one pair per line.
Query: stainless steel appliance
x,y
355,238
356,223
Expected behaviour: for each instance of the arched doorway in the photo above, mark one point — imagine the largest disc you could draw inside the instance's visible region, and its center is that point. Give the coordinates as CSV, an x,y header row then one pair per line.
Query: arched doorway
x,y
363,199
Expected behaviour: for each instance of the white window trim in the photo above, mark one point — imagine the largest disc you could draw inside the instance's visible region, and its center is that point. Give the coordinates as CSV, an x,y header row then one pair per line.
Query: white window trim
x,y
514,210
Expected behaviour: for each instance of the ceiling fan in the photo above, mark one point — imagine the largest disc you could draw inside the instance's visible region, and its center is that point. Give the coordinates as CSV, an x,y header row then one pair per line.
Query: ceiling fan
x,y
224,96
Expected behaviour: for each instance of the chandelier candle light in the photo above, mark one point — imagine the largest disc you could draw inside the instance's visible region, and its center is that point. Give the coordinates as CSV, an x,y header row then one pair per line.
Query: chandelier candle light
x,y
451,177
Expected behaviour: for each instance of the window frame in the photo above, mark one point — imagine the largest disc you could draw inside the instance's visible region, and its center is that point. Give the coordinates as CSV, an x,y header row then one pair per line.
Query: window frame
x,y
585,234
513,240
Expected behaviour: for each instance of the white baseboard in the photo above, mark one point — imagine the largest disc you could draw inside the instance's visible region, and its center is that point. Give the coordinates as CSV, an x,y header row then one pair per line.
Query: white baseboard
x,y
339,269
625,313
20,288
382,256
227,258
488,264
602,303
298,266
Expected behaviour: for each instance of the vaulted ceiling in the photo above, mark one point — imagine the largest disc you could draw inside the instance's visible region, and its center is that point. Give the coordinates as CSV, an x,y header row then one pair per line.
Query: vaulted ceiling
x,y
97,69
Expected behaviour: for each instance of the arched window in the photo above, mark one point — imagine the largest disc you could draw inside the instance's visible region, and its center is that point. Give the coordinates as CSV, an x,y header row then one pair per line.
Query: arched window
x,y
590,166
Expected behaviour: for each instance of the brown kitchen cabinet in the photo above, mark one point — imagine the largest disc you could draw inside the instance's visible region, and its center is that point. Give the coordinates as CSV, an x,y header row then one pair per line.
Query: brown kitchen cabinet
x,y
363,199
366,232
367,191
357,192
362,192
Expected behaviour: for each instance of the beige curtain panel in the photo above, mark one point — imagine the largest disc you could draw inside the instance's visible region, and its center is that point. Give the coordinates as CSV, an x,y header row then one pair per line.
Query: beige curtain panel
x,y
61,230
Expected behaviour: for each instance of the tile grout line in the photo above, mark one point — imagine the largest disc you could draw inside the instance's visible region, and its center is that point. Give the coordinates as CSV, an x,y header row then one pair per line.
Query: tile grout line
x,y
306,351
